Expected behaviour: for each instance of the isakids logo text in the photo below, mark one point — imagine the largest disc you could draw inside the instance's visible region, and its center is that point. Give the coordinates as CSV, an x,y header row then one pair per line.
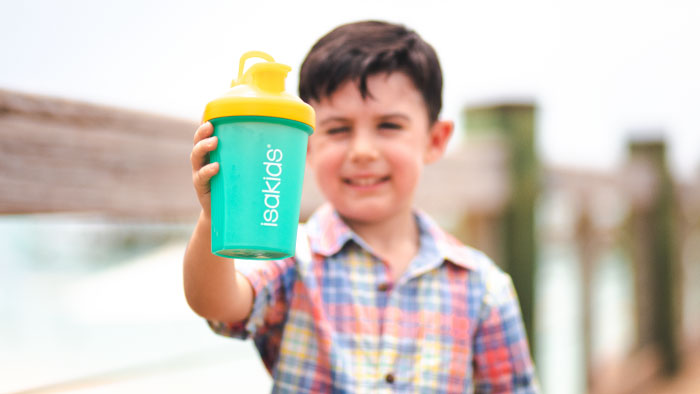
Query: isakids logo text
x,y
271,192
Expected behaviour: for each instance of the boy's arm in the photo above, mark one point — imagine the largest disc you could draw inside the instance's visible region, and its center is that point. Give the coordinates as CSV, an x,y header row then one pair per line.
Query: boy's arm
x,y
502,361
213,287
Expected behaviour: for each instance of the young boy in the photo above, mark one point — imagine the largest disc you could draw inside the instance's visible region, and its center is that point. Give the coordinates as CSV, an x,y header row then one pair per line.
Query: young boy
x,y
386,300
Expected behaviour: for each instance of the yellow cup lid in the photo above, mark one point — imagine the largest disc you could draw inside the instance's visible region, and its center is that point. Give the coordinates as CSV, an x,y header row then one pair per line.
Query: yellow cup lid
x,y
260,92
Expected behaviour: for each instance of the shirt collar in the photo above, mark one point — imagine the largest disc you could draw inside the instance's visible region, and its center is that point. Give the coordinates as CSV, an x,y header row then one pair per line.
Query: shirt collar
x,y
328,234
327,231
448,247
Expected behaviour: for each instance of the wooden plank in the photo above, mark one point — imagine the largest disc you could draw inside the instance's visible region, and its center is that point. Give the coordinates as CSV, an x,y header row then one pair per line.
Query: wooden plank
x,y
61,156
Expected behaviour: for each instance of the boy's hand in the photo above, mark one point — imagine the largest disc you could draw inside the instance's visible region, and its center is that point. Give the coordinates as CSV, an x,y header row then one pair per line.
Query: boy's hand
x,y
202,170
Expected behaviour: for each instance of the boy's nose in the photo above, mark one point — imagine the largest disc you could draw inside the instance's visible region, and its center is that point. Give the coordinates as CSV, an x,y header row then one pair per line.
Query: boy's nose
x,y
363,148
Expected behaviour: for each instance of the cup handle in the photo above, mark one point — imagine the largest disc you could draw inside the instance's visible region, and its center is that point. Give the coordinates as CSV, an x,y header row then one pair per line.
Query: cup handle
x,y
246,56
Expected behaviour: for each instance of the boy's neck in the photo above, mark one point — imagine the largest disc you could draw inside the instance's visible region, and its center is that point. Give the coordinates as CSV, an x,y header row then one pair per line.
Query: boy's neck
x,y
395,240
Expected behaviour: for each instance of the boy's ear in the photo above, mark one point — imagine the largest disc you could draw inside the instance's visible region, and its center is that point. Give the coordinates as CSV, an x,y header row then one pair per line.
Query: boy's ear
x,y
440,133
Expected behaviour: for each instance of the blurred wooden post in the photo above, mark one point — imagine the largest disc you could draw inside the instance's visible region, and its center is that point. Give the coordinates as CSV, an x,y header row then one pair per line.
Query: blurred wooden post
x,y
585,240
653,249
516,225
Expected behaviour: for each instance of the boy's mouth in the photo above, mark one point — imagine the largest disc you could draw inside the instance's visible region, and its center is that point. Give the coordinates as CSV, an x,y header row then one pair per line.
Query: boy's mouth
x,y
365,181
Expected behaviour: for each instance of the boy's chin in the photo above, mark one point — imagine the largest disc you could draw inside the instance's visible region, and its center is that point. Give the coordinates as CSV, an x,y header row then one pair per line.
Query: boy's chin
x,y
351,218
367,215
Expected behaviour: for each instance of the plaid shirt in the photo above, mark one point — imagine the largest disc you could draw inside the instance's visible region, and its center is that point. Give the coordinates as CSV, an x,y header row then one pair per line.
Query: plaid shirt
x,y
336,323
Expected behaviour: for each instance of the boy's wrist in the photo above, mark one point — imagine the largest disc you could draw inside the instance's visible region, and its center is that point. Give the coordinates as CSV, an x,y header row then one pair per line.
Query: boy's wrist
x,y
205,216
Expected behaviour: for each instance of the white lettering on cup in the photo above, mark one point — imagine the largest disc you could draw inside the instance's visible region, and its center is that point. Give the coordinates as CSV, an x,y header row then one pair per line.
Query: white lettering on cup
x,y
271,192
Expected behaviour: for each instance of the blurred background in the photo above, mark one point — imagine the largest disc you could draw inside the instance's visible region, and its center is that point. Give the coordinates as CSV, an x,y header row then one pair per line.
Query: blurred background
x,y
575,166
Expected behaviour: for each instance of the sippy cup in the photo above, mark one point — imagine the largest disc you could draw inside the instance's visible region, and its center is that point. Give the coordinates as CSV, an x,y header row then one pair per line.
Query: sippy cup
x,y
263,133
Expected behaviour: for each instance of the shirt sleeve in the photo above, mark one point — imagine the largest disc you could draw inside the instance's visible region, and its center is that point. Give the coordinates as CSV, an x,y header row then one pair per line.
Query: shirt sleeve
x,y
272,283
502,362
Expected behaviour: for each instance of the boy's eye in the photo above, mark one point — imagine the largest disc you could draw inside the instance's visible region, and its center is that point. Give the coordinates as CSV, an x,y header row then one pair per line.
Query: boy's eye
x,y
390,125
338,130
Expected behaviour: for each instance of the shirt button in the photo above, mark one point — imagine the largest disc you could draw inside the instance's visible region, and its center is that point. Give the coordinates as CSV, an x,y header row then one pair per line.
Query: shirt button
x,y
390,378
383,287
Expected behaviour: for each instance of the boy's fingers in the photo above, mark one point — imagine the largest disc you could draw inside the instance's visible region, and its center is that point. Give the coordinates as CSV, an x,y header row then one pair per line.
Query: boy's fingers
x,y
202,177
203,131
199,156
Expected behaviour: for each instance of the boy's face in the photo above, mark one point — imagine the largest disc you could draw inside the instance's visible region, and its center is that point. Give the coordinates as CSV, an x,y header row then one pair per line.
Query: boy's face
x,y
368,154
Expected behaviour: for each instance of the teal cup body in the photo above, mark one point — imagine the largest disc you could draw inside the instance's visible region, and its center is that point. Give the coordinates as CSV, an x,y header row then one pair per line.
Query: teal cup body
x,y
256,195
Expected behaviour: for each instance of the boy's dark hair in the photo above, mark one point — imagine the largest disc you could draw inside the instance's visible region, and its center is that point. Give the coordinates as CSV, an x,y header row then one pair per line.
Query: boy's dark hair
x,y
355,51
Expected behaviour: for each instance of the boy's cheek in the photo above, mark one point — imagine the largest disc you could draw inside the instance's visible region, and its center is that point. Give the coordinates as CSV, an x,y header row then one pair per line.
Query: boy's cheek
x,y
311,147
